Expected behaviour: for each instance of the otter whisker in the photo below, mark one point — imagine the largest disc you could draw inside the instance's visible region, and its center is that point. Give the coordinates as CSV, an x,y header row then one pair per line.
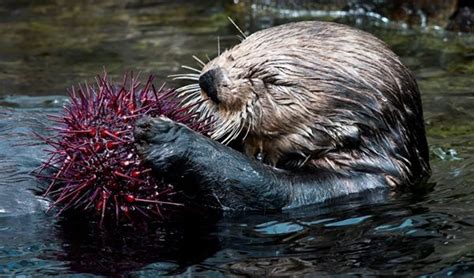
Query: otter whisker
x,y
191,68
196,104
228,130
218,45
184,74
248,118
237,27
184,77
206,111
188,93
232,134
241,127
237,130
226,139
199,107
217,133
250,127
191,93
188,87
199,60
191,101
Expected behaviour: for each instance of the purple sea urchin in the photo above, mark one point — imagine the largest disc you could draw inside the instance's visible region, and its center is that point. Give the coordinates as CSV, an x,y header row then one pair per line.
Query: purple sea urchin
x,y
94,163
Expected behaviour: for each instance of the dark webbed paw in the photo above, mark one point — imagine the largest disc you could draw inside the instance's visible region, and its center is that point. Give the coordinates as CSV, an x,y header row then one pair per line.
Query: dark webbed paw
x,y
202,165
162,142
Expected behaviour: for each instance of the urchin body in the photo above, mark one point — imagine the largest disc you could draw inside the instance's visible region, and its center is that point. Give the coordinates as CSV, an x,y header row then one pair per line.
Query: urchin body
x,y
318,110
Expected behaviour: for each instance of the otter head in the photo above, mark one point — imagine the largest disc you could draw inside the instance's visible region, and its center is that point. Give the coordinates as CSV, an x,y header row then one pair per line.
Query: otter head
x,y
251,96
227,92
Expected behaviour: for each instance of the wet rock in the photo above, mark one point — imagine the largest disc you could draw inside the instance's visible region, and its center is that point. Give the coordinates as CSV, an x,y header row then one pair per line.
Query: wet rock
x,y
455,15
463,19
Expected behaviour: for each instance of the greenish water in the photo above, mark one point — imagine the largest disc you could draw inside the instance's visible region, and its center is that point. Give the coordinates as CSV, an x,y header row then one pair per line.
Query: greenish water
x,y
47,46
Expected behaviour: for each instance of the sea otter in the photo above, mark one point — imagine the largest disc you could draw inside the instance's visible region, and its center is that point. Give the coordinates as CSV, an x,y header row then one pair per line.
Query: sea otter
x,y
312,110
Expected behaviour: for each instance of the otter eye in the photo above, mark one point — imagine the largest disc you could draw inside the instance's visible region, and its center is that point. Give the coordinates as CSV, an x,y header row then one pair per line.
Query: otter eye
x,y
230,58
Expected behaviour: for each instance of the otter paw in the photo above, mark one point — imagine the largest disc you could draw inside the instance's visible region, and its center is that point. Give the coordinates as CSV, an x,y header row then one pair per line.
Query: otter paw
x,y
161,141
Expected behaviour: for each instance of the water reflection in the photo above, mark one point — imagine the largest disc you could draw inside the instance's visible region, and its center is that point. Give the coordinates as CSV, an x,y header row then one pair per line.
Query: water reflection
x,y
112,251
331,239
347,234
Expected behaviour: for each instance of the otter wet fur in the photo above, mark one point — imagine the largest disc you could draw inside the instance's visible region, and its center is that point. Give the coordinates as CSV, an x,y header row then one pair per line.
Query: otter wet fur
x,y
312,110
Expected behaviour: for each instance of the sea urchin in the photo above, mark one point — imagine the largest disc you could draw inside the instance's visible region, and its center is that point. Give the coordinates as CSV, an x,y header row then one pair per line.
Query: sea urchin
x,y
94,165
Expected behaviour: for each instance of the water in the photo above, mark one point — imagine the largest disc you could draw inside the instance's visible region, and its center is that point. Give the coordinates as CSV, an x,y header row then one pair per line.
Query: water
x,y
47,46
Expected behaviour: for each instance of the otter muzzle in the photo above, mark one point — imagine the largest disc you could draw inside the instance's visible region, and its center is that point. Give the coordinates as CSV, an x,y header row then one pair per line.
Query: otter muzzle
x,y
208,83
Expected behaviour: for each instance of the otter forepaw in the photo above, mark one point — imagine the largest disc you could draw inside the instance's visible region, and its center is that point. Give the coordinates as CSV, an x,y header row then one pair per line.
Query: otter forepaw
x,y
161,141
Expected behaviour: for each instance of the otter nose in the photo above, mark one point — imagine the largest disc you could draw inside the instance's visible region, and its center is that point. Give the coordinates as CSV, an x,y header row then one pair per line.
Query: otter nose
x,y
208,83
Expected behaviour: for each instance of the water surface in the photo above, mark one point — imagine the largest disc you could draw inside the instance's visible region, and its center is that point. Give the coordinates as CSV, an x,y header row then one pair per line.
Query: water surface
x,y
47,46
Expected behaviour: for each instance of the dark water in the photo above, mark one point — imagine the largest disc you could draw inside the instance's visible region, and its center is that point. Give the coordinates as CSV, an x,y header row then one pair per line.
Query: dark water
x,y
47,46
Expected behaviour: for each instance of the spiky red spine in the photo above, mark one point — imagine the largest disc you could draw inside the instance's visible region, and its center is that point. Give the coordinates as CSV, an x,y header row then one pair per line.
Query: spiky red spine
x,y
94,163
